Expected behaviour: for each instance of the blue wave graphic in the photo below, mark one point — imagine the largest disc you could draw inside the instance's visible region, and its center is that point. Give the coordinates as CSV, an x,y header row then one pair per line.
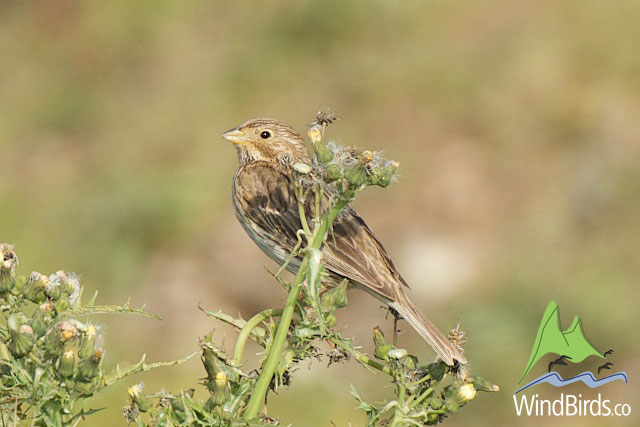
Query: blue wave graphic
x,y
556,380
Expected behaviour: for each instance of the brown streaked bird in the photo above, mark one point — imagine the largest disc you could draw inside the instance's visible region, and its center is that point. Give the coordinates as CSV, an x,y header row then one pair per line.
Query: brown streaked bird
x,y
266,205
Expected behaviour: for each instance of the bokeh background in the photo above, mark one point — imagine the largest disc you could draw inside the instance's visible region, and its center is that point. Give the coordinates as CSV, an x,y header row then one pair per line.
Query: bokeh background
x,y
516,126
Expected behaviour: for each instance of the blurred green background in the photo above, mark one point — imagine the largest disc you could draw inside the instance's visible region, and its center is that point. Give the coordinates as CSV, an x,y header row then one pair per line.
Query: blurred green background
x,y
516,126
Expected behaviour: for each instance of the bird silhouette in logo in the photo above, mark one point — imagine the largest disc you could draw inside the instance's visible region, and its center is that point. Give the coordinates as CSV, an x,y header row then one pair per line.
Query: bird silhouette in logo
x,y
607,365
608,352
559,361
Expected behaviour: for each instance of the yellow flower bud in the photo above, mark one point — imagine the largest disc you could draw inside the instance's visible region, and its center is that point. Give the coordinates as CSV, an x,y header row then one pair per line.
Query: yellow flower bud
x,y
315,133
467,392
143,402
382,347
221,379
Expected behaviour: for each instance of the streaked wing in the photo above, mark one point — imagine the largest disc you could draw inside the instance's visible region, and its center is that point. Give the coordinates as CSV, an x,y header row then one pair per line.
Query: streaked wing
x,y
354,252
263,194
266,207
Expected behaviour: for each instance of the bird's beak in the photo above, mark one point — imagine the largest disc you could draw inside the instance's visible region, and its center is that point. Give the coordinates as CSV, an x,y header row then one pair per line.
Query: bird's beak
x,y
235,135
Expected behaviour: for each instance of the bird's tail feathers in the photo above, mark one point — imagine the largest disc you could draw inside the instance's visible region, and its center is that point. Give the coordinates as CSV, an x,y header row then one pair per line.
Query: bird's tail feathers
x,y
427,330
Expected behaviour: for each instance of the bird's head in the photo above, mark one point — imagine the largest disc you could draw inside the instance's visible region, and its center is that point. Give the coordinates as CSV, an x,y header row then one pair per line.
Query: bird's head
x,y
268,140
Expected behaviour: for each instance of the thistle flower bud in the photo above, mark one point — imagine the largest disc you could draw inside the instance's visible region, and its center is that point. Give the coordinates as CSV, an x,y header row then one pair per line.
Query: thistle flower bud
x,y
25,329
18,284
53,410
437,370
8,263
52,290
315,132
334,171
41,318
397,353
323,153
356,175
288,360
177,405
56,338
302,168
4,353
481,384
69,283
210,361
452,405
85,388
62,303
143,402
330,320
65,286
22,341
16,320
88,342
387,173
436,402
411,362
467,392
382,347
9,259
305,333
67,364
366,156
335,297
432,418
89,368
221,389
221,380
67,331
35,287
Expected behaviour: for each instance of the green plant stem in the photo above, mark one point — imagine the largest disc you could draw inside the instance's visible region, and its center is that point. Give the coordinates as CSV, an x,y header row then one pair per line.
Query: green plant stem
x,y
141,366
303,218
107,309
398,415
420,381
420,398
361,357
274,353
245,333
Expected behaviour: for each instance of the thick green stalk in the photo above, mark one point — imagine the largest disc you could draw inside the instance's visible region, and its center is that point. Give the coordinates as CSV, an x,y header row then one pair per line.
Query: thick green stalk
x,y
420,398
248,328
274,353
398,415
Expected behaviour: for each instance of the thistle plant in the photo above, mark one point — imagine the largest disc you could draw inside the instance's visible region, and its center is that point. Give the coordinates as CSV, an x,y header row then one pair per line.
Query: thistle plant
x,y
306,327
51,357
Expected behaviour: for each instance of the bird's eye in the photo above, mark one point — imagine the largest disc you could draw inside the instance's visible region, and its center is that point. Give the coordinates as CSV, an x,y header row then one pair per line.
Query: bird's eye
x,y
265,134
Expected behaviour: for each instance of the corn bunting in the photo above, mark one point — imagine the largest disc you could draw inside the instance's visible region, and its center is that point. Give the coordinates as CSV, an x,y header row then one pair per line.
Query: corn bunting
x,y
265,203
